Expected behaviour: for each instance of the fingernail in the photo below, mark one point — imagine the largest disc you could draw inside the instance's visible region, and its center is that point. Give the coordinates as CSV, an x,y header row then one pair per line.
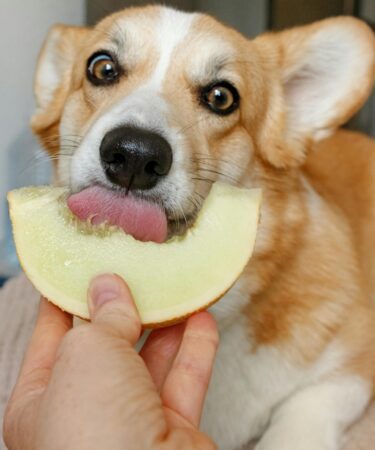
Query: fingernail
x,y
103,289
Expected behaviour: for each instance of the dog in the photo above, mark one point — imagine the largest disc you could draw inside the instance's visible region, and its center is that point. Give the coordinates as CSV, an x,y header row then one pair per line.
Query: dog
x,y
160,104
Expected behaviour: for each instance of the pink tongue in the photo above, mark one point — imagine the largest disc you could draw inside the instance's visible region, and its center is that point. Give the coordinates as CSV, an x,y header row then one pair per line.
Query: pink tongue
x,y
145,221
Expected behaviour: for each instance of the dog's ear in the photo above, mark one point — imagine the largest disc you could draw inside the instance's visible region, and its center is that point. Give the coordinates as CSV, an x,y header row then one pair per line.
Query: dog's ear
x,y
53,80
327,71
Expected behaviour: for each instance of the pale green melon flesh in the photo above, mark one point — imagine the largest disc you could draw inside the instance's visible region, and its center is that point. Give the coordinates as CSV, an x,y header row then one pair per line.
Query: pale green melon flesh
x,y
169,281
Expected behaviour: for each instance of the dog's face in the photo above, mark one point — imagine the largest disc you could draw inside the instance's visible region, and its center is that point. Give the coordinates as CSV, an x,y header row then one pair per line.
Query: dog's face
x,y
159,104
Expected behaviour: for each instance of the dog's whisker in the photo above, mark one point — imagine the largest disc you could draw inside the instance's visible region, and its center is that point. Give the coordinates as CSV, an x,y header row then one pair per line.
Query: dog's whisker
x,y
204,156
202,197
39,161
180,208
214,166
198,203
58,157
216,161
56,144
193,202
204,180
217,172
58,137
176,219
45,157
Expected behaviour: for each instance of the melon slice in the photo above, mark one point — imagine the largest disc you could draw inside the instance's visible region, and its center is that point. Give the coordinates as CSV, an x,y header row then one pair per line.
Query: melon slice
x,y
169,281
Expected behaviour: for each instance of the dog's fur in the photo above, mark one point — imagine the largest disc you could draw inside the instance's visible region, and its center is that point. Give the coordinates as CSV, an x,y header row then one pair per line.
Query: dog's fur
x,y
296,362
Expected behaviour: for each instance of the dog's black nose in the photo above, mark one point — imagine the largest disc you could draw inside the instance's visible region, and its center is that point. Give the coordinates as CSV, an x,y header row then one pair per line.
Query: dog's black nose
x,y
135,158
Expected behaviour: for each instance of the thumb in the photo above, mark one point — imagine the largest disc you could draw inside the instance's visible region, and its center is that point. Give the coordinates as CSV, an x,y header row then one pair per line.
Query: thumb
x,y
112,307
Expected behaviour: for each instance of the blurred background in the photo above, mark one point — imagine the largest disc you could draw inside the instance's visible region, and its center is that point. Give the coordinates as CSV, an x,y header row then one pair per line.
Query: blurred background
x,y
23,26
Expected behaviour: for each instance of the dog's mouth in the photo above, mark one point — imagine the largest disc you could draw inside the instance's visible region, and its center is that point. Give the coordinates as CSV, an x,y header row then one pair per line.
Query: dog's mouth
x,y
177,226
145,220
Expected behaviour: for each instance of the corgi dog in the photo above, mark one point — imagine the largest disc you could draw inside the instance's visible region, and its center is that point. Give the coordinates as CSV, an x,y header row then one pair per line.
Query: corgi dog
x,y
160,104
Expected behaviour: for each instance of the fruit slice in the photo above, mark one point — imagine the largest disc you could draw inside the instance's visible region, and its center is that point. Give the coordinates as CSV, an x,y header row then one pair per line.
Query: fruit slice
x,y
169,281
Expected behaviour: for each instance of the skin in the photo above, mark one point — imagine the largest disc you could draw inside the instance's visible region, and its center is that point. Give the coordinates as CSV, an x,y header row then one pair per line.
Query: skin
x,y
87,387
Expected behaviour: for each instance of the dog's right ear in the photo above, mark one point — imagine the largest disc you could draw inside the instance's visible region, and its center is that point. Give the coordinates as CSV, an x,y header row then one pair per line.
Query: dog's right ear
x,y
53,80
319,76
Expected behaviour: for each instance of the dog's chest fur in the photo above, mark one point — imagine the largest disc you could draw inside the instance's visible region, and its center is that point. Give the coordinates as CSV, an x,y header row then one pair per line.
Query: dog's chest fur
x,y
248,384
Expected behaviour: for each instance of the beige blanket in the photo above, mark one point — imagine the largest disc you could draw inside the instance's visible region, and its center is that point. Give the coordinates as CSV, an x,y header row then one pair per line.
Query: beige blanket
x,y
18,306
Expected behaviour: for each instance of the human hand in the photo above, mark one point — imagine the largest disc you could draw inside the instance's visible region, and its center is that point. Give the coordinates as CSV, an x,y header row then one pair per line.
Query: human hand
x,y
87,387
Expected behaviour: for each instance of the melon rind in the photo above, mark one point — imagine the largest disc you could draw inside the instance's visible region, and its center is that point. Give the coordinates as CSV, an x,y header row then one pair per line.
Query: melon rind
x,y
169,281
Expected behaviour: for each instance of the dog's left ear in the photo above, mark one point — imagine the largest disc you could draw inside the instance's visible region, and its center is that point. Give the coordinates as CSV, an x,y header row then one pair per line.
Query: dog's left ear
x,y
327,71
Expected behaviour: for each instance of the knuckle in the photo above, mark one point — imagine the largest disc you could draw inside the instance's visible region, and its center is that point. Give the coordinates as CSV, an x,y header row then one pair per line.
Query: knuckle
x,y
210,337
118,309
192,370
120,321
77,340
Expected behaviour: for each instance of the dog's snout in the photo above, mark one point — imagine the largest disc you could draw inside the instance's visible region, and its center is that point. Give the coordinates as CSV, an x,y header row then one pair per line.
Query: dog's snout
x,y
135,158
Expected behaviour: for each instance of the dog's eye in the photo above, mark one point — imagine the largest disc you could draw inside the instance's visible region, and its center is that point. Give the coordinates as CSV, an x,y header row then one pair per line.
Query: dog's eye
x,y
102,69
221,97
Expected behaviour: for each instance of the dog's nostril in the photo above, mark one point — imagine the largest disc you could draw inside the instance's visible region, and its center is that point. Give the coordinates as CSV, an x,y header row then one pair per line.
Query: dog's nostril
x,y
117,158
153,168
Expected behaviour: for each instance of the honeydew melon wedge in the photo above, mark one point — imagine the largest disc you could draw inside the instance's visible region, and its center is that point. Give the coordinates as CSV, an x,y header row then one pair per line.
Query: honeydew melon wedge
x,y
169,281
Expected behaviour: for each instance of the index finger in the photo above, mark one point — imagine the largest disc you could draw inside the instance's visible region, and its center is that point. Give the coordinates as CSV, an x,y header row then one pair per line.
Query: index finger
x,y
51,326
186,384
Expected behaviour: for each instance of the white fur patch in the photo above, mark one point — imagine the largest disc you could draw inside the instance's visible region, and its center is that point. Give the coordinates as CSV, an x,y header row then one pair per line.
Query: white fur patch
x,y
316,417
248,385
173,28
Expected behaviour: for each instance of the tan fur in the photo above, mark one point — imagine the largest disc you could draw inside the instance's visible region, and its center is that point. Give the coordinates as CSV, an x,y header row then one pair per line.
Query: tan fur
x,y
342,169
45,122
350,156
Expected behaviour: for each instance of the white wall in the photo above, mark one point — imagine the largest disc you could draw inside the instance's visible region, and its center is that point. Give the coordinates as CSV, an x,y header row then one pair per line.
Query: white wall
x,y
23,26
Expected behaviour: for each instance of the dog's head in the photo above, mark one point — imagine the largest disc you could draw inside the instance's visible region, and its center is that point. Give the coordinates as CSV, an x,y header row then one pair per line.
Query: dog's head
x,y
158,104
